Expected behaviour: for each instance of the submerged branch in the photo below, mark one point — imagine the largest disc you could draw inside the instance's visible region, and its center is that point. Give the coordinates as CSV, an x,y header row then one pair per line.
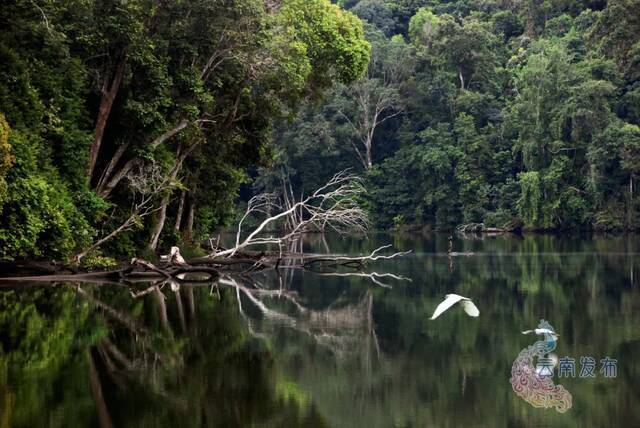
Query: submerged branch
x,y
354,261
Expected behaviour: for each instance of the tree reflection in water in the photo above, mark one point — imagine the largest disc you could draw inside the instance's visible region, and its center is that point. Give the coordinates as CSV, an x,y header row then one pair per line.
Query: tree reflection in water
x,y
168,357
302,349
167,353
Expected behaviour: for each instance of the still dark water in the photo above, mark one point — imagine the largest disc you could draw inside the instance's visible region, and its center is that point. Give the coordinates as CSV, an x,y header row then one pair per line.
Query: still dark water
x,y
327,349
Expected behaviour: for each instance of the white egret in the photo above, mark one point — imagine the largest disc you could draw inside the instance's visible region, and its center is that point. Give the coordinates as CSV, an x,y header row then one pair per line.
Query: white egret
x,y
175,257
452,299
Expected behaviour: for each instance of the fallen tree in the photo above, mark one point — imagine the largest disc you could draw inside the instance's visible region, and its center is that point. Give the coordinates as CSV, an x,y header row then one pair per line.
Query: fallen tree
x,y
332,207
177,271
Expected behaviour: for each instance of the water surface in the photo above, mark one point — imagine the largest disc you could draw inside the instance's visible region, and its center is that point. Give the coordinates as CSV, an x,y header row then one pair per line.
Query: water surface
x,y
327,349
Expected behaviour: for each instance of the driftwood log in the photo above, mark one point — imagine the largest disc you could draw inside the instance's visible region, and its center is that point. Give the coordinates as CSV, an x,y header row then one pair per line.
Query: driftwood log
x,y
174,269
205,270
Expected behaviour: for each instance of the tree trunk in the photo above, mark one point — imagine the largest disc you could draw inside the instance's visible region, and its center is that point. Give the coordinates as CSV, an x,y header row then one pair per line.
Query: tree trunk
x,y
117,354
176,226
192,308
162,215
183,321
368,156
106,103
162,310
104,418
190,217
157,230
630,204
111,183
111,166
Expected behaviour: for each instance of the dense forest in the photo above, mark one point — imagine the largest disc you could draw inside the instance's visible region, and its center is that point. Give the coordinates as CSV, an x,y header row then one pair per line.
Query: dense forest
x,y
503,113
133,124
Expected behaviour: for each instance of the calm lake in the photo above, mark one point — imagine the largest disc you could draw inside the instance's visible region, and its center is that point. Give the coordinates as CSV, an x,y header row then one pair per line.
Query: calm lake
x,y
335,349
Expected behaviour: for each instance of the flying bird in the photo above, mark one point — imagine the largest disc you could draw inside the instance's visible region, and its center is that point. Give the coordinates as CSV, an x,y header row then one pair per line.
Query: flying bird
x,y
539,331
452,299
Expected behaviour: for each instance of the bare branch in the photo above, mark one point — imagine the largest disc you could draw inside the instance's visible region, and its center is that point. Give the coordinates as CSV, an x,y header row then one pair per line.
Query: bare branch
x,y
44,17
357,260
332,206
146,185
373,276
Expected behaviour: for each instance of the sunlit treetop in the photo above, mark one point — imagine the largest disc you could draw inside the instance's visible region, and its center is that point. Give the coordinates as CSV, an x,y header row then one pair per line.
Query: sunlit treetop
x,y
332,40
5,157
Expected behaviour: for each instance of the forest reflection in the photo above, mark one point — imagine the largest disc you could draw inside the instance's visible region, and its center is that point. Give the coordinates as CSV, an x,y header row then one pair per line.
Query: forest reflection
x,y
299,348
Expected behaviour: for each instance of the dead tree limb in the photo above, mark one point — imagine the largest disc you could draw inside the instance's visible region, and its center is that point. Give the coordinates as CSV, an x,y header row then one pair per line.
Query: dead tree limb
x,y
146,184
355,261
332,207
373,276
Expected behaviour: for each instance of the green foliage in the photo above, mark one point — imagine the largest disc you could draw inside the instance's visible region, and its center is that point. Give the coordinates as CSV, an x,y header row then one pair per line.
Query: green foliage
x,y
418,182
228,69
43,327
331,38
6,159
513,116
42,93
507,23
96,261
39,217
617,32
376,13
460,112
529,204
422,26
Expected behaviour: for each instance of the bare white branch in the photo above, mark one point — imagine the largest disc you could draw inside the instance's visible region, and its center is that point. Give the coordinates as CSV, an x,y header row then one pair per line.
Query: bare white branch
x,y
333,206
147,183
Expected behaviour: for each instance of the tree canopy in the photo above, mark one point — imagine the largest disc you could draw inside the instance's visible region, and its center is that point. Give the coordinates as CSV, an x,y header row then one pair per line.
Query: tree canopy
x,y
140,124
512,115
159,106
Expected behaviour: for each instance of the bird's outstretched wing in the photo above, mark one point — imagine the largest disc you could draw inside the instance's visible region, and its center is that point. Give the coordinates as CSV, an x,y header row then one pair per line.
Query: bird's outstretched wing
x,y
451,300
527,331
470,308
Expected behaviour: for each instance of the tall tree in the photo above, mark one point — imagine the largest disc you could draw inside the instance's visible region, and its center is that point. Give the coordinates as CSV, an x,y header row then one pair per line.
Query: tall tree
x,y
376,98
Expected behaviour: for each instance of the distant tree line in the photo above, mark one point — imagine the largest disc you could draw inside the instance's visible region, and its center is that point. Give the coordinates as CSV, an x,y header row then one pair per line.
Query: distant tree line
x,y
507,113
